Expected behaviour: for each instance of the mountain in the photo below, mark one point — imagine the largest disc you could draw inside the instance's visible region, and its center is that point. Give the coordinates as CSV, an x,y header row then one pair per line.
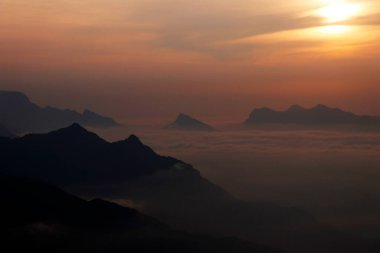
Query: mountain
x,y
185,122
80,156
4,132
42,218
128,171
318,116
21,115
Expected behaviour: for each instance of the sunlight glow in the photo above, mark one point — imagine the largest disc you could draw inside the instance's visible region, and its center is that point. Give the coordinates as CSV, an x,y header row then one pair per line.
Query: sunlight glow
x,y
338,11
334,29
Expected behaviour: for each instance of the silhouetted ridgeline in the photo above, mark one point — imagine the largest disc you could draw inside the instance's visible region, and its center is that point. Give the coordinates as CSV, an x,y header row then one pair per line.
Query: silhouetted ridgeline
x,y
187,123
20,115
163,187
318,116
38,217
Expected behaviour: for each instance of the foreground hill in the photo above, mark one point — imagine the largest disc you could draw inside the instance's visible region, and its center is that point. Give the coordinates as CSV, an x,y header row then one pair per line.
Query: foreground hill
x,y
318,116
39,217
187,123
163,187
20,115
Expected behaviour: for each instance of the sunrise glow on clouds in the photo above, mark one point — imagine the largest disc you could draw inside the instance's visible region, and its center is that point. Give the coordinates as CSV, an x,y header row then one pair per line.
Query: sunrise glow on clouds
x,y
104,28
194,47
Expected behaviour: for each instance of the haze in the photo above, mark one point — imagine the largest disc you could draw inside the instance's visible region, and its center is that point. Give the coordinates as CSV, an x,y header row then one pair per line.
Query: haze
x,y
146,60
333,175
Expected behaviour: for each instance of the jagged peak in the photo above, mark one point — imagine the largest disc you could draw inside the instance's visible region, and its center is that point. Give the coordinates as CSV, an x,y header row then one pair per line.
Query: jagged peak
x,y
186,122
13,93
321,107
87,111
134,139
134,145
296,108
76,132
263,109
184,116
14,96
75,127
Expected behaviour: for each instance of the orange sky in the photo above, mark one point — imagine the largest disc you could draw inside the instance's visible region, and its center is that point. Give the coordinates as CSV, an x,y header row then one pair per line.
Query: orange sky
x,y
146,60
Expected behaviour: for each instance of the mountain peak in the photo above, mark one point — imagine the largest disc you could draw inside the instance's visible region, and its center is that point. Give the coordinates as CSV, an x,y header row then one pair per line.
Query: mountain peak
x,y
74,134
263,110
183,116
23,116
317,116
11,95
74,128
321,107
87,111
296,108
133,139
186,122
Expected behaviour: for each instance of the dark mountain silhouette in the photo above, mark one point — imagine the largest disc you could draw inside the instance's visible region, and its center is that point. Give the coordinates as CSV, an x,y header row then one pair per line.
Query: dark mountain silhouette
x,y
163,187
38,217
185,122
4,132
74,154
21,115
318,116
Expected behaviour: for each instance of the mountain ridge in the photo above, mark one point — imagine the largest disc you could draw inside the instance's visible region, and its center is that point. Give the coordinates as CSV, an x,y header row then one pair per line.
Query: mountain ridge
x,y
170,190
82,156
21,115
319,115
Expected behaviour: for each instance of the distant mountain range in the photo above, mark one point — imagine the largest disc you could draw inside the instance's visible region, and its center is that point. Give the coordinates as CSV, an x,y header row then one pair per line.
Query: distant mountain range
x,y
187,123
39,217
318,116
162,187
20,115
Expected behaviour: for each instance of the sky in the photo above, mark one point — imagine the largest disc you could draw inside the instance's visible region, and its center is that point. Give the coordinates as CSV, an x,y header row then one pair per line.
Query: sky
x,y
147,60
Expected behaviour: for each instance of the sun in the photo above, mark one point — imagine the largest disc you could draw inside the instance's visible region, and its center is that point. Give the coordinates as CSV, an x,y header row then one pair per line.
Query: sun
x,y
338,11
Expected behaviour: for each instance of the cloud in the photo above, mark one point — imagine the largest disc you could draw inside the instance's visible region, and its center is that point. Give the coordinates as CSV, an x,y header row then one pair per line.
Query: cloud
x,y
332,174
148,58
198,25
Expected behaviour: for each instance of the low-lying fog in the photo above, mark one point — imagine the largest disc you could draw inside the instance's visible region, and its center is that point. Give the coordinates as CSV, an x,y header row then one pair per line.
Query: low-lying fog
x,y
334,175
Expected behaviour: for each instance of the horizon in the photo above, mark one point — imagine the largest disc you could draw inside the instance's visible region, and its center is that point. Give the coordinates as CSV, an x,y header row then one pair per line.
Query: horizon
x,y
206,58
216,121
